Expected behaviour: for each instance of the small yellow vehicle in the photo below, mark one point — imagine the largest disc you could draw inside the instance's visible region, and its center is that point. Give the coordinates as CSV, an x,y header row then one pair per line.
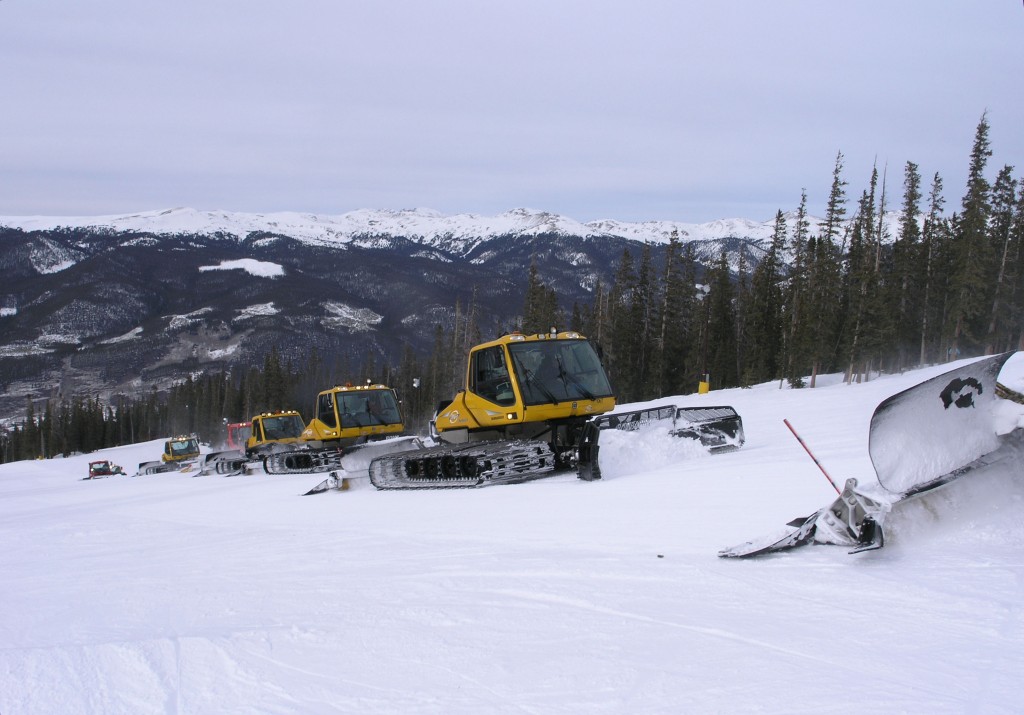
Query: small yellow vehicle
x,y
180,454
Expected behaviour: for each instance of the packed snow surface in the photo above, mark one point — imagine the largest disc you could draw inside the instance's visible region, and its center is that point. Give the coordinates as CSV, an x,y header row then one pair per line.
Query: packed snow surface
x,y
174,594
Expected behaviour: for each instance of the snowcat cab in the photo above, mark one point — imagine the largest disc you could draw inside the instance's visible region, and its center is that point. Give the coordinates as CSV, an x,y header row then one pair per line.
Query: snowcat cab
x,y
180,449
252,441
347,415
180,453
347,419
528,387
238,434
272,428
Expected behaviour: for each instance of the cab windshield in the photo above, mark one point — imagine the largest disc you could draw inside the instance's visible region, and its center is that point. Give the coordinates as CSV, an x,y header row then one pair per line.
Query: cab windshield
x,y
183,446
553,371
367,408
283,427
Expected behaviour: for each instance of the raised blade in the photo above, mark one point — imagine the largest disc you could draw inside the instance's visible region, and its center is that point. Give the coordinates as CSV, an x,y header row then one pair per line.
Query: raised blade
x,y
717,427
357,458
920,438
212,462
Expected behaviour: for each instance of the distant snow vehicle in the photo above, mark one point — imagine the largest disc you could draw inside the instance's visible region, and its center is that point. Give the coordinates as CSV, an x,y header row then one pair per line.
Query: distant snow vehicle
x,y
180,454
102,468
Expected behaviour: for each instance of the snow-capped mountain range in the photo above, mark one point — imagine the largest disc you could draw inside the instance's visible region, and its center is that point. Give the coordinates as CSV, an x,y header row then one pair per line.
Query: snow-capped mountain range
x,y
421,225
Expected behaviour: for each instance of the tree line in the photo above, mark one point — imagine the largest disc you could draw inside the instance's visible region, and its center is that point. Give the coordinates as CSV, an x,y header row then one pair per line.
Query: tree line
x,y
847,297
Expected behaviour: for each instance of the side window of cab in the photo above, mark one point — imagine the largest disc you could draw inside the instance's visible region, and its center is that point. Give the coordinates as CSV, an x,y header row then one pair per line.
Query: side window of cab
x,y
489,376
325,410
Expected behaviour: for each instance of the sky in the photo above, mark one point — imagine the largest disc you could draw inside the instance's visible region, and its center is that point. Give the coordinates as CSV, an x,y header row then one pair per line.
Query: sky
x,y
635,111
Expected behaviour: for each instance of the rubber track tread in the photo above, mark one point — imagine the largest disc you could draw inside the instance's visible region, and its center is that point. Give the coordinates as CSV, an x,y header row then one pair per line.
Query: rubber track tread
x,y
496,462
302,461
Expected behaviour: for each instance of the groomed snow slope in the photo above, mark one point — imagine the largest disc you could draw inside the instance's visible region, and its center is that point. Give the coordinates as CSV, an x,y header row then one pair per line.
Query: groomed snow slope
x,y
173,594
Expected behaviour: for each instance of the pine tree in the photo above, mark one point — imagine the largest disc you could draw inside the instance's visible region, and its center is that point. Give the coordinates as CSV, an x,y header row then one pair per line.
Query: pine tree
x,y
623,337
932,245
1017,293
721,327
823,278
971,251
764,312
796,309
906,251
642,317
861,288
1004,200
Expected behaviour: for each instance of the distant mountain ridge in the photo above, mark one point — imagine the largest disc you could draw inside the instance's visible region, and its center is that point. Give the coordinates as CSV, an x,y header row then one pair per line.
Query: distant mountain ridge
x,y
124,304
422,225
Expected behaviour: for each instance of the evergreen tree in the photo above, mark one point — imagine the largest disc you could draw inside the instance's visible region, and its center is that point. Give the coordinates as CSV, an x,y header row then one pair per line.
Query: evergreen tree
x,y
932,247
823,278
1017,274
642,317
972,252
862,304
1000,334
624,336
797,312
764,311
905,290
675,319
721,327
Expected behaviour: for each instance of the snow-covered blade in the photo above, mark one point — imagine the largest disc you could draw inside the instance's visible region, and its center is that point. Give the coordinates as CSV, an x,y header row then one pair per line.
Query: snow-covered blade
x,y
719,427
356,460
920,436
222,462
919,440
159,467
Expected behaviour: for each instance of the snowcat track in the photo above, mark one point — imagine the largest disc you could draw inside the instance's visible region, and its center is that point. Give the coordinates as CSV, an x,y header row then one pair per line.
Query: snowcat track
x,y
476,464
302,461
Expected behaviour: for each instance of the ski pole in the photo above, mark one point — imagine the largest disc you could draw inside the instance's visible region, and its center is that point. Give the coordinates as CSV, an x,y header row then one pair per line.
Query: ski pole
x,y
809,452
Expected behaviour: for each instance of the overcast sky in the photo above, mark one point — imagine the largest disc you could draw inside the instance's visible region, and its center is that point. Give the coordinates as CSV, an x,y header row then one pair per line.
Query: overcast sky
x,y
637,110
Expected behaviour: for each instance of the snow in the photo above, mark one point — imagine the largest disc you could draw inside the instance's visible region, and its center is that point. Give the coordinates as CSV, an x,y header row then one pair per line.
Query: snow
x,y
256,311
170,593
459,232
261,269
357,320
130,335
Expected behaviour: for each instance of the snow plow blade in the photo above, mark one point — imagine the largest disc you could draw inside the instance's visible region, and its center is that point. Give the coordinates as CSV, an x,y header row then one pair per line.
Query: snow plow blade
x,y
228,461
919,439
333,481
353,458
718,428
